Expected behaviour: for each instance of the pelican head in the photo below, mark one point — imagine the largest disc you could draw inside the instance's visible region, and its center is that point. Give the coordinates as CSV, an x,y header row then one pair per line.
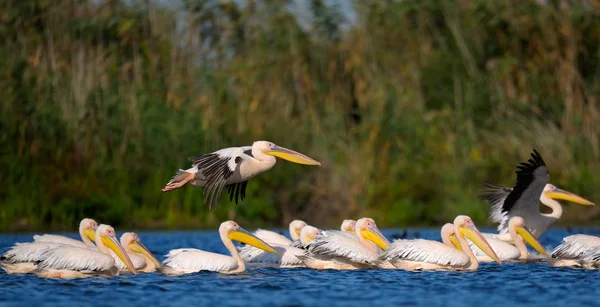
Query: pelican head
x,y
308,234
518,224
449,237
236,233
553,192
131,241
296,226
367,229
467,228
106,235
348,225
88,228
271,149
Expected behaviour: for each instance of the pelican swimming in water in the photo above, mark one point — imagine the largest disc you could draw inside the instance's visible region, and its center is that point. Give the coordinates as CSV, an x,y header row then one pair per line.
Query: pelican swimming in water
x,y
191,260
76,262
141,258
523,199
87,231
577,251
341,252
22,258
288,255
506,251
420,254
272,237
232,168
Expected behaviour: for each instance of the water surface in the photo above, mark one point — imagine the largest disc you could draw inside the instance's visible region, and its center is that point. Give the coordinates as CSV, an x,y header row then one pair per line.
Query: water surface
x,y
532,284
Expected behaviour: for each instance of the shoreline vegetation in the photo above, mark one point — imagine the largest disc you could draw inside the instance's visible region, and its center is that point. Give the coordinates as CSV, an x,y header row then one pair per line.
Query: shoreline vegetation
x,y
410,105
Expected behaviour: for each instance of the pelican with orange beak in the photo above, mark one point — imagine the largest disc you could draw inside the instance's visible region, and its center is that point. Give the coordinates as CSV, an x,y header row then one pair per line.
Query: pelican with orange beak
x,y
338,251
506,251
76,262
422,254
232,167
142,259
191,260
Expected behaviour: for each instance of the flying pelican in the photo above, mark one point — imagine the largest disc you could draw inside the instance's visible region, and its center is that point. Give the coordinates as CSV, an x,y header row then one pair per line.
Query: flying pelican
x,y
341,252
420,254
522,200
272,237
191,260
87,230
505,251
76,262
576,250
287,257
232,168
141,257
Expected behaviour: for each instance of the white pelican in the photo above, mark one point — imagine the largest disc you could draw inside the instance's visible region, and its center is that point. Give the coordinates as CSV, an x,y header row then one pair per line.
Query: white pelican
x,y
22,257
191,260
523,199
76,262
420,254
141,257
347,229
505,251
287,257
232,168
576,250
341,252
87,230
272,237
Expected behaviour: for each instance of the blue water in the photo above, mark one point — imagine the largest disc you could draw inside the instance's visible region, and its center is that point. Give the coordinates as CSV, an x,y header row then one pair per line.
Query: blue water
x,y
532,284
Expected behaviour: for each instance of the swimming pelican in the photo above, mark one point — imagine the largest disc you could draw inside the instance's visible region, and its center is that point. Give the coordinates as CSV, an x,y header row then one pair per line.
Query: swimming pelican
x,y
87,230
272,237
576,250
76,262
505,251
420,254
141,257
522,200
232,168
191,260
22,257
347,229
341,252
287,257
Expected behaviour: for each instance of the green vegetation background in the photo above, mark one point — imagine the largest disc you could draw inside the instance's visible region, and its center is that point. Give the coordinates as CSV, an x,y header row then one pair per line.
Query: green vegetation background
x,y
410,105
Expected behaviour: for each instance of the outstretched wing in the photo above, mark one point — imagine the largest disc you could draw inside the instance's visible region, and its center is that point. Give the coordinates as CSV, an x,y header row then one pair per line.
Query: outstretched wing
x,y
523,199
216,168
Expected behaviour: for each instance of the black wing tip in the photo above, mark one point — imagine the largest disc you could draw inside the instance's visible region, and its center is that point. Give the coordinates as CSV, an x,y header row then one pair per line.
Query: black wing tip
x,y
531,164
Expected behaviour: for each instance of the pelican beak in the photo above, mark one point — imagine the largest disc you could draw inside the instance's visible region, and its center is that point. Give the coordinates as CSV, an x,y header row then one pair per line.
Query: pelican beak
x,y
454,241
568,196
243,236
531,240
309,239
113,243
90,233
374,235
297,231
476,237
139,247
290,155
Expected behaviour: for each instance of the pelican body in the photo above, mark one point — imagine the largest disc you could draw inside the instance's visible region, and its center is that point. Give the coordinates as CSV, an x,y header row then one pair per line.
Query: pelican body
x,y
76,262
87,230
577,251
288,255
506,251
272,237
22,258
522,200
191,260
338,251
232,168
420,254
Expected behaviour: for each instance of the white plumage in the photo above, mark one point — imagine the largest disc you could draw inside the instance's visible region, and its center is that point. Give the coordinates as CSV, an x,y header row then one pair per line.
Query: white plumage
x,y
47,238
87,228
427,251
22,257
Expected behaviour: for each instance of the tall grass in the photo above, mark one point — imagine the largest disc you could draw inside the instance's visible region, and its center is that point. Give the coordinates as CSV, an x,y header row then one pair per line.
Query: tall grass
x,y
410,107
